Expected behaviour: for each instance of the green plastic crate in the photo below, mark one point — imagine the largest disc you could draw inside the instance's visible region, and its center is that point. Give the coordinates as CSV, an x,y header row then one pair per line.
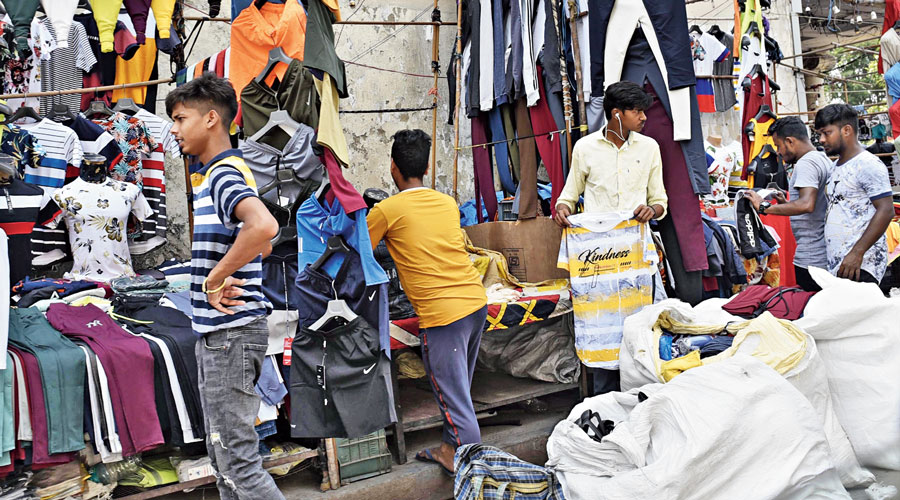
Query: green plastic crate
x,y
364,457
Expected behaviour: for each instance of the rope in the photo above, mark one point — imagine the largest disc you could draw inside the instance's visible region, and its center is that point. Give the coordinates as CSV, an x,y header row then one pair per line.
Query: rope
x,y
582,128
388,70
397,110
387,38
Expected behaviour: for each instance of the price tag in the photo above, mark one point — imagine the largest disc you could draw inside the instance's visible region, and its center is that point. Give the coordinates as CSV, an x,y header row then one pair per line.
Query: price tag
x,y
287,351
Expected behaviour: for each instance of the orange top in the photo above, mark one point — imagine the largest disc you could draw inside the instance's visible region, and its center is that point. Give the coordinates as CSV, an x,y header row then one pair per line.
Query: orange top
x,y
257,31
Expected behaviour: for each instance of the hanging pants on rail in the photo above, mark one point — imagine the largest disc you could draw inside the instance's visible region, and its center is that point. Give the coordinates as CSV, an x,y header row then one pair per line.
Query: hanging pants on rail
x,y
484,171
548,144
528,199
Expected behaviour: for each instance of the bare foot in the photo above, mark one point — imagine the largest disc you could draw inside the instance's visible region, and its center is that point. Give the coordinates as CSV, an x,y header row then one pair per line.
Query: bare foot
x,y
444,455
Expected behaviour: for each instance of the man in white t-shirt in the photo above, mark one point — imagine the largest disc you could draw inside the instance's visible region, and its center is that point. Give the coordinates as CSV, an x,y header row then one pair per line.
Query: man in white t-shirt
x,y
860,205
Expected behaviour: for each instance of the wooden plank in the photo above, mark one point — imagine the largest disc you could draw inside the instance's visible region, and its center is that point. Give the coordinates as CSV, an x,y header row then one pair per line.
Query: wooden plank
x,y
179,487
489,390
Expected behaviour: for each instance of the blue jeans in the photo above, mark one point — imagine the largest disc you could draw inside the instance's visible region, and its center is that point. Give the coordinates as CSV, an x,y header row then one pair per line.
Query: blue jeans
x,y
229,363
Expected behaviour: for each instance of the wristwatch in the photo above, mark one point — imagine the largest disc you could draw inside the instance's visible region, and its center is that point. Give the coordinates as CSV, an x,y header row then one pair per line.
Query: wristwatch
x,y
763,207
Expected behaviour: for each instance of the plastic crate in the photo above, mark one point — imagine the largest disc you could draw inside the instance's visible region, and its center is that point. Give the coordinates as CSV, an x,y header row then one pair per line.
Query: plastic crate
x,y
505,211
364,457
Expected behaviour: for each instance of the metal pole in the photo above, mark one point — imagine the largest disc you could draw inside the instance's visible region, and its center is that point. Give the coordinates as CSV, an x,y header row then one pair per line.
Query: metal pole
x,y
458,62
435,67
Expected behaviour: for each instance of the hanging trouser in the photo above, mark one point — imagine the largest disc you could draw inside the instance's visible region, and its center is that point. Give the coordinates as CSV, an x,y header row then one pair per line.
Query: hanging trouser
x,y
484,171
36,405
641,68
501,152
509,129
548,144
688,286
129,363
58,359
528,199
554,102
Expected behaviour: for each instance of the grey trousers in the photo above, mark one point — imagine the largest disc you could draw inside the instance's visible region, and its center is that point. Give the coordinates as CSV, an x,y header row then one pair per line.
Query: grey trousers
x,y
449,353
229,363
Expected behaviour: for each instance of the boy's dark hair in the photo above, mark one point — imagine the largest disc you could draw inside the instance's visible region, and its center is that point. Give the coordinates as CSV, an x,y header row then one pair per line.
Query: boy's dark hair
x,y
410,153
837,114
209,90
789,126
625,96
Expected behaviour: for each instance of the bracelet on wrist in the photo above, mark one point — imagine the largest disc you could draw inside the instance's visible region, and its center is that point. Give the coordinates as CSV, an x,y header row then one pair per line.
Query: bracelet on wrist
x,y
208,291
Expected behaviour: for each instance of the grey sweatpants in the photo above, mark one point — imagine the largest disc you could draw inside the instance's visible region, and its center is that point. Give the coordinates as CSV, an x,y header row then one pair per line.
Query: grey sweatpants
x,y
229,363
449,353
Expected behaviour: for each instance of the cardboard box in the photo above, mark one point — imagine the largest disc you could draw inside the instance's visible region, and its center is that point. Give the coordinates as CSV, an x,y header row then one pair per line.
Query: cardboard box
x,y
531,247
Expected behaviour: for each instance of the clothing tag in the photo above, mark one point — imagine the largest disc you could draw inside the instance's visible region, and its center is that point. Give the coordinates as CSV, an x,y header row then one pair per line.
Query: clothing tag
x,y
320,375
287,351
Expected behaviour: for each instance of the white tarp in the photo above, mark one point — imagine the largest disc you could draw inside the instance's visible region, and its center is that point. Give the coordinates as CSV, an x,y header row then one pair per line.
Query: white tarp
x,y
734,429
857,331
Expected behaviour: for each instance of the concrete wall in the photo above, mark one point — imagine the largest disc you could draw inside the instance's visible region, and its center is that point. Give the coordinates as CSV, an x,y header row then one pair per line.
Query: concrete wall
x,y
400,48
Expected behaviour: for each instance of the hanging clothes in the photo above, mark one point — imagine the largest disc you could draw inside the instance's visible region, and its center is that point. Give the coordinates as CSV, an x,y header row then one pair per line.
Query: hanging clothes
x,y
28,208
64,67
722,88
484,171
256,31
319,51
21,13
527,196
106,13
135,140
60,13
706,51
139,67
548,144
296,94
162,10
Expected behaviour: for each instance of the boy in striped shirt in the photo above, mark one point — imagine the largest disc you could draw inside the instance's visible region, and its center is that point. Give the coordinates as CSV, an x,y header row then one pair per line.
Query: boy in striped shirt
x,y
232,229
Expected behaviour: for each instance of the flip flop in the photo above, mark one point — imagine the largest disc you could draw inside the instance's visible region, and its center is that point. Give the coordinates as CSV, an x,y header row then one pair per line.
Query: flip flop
x,y
426,456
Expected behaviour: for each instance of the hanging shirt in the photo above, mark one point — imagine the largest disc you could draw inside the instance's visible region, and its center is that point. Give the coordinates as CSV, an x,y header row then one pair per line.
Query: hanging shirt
x,y
851,191
135,141
96,215
24,74
22,146
22,205
706,51
421,229
611,260
722,88
63,154
154,165
64,67
94,139
721,161
258,30
614,179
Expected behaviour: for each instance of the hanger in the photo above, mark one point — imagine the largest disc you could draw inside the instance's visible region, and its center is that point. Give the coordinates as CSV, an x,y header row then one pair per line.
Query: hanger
x,y
337,308
98,107
695,29
276,56
765,110
754,28
22,112
334,245
5,110
280,119
60,113
323,188
126,105
716,32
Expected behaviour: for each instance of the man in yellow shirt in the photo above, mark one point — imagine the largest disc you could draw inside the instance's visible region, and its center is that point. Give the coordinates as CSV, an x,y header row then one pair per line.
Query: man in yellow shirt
x,y
422,232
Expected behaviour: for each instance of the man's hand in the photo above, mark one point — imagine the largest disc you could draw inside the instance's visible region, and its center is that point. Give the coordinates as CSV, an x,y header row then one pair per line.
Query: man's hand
x,y
225,296
780,197
643,213
754,198
850,266
562,215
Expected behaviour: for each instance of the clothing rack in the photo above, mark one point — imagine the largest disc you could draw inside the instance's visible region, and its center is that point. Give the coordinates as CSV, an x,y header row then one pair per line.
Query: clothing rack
x,y
103,88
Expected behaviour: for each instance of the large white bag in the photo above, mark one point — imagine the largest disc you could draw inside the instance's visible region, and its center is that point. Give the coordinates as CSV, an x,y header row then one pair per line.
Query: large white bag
x,y
857,331
773,341
734,429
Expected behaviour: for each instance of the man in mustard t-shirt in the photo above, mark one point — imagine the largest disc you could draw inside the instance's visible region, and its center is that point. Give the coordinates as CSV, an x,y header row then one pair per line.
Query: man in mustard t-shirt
x,y
422,232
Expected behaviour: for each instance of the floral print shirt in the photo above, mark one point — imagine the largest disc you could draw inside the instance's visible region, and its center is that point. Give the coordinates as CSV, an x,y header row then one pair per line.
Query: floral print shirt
x,y
22,146
96,215
135,140
720,163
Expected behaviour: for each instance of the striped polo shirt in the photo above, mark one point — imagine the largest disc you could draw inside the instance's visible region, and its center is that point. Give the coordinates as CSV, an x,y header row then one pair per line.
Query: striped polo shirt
x,y
218,187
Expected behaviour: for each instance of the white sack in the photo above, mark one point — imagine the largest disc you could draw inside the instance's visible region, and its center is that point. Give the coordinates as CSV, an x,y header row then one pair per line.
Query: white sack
x,y
639,365
714,432
857,331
